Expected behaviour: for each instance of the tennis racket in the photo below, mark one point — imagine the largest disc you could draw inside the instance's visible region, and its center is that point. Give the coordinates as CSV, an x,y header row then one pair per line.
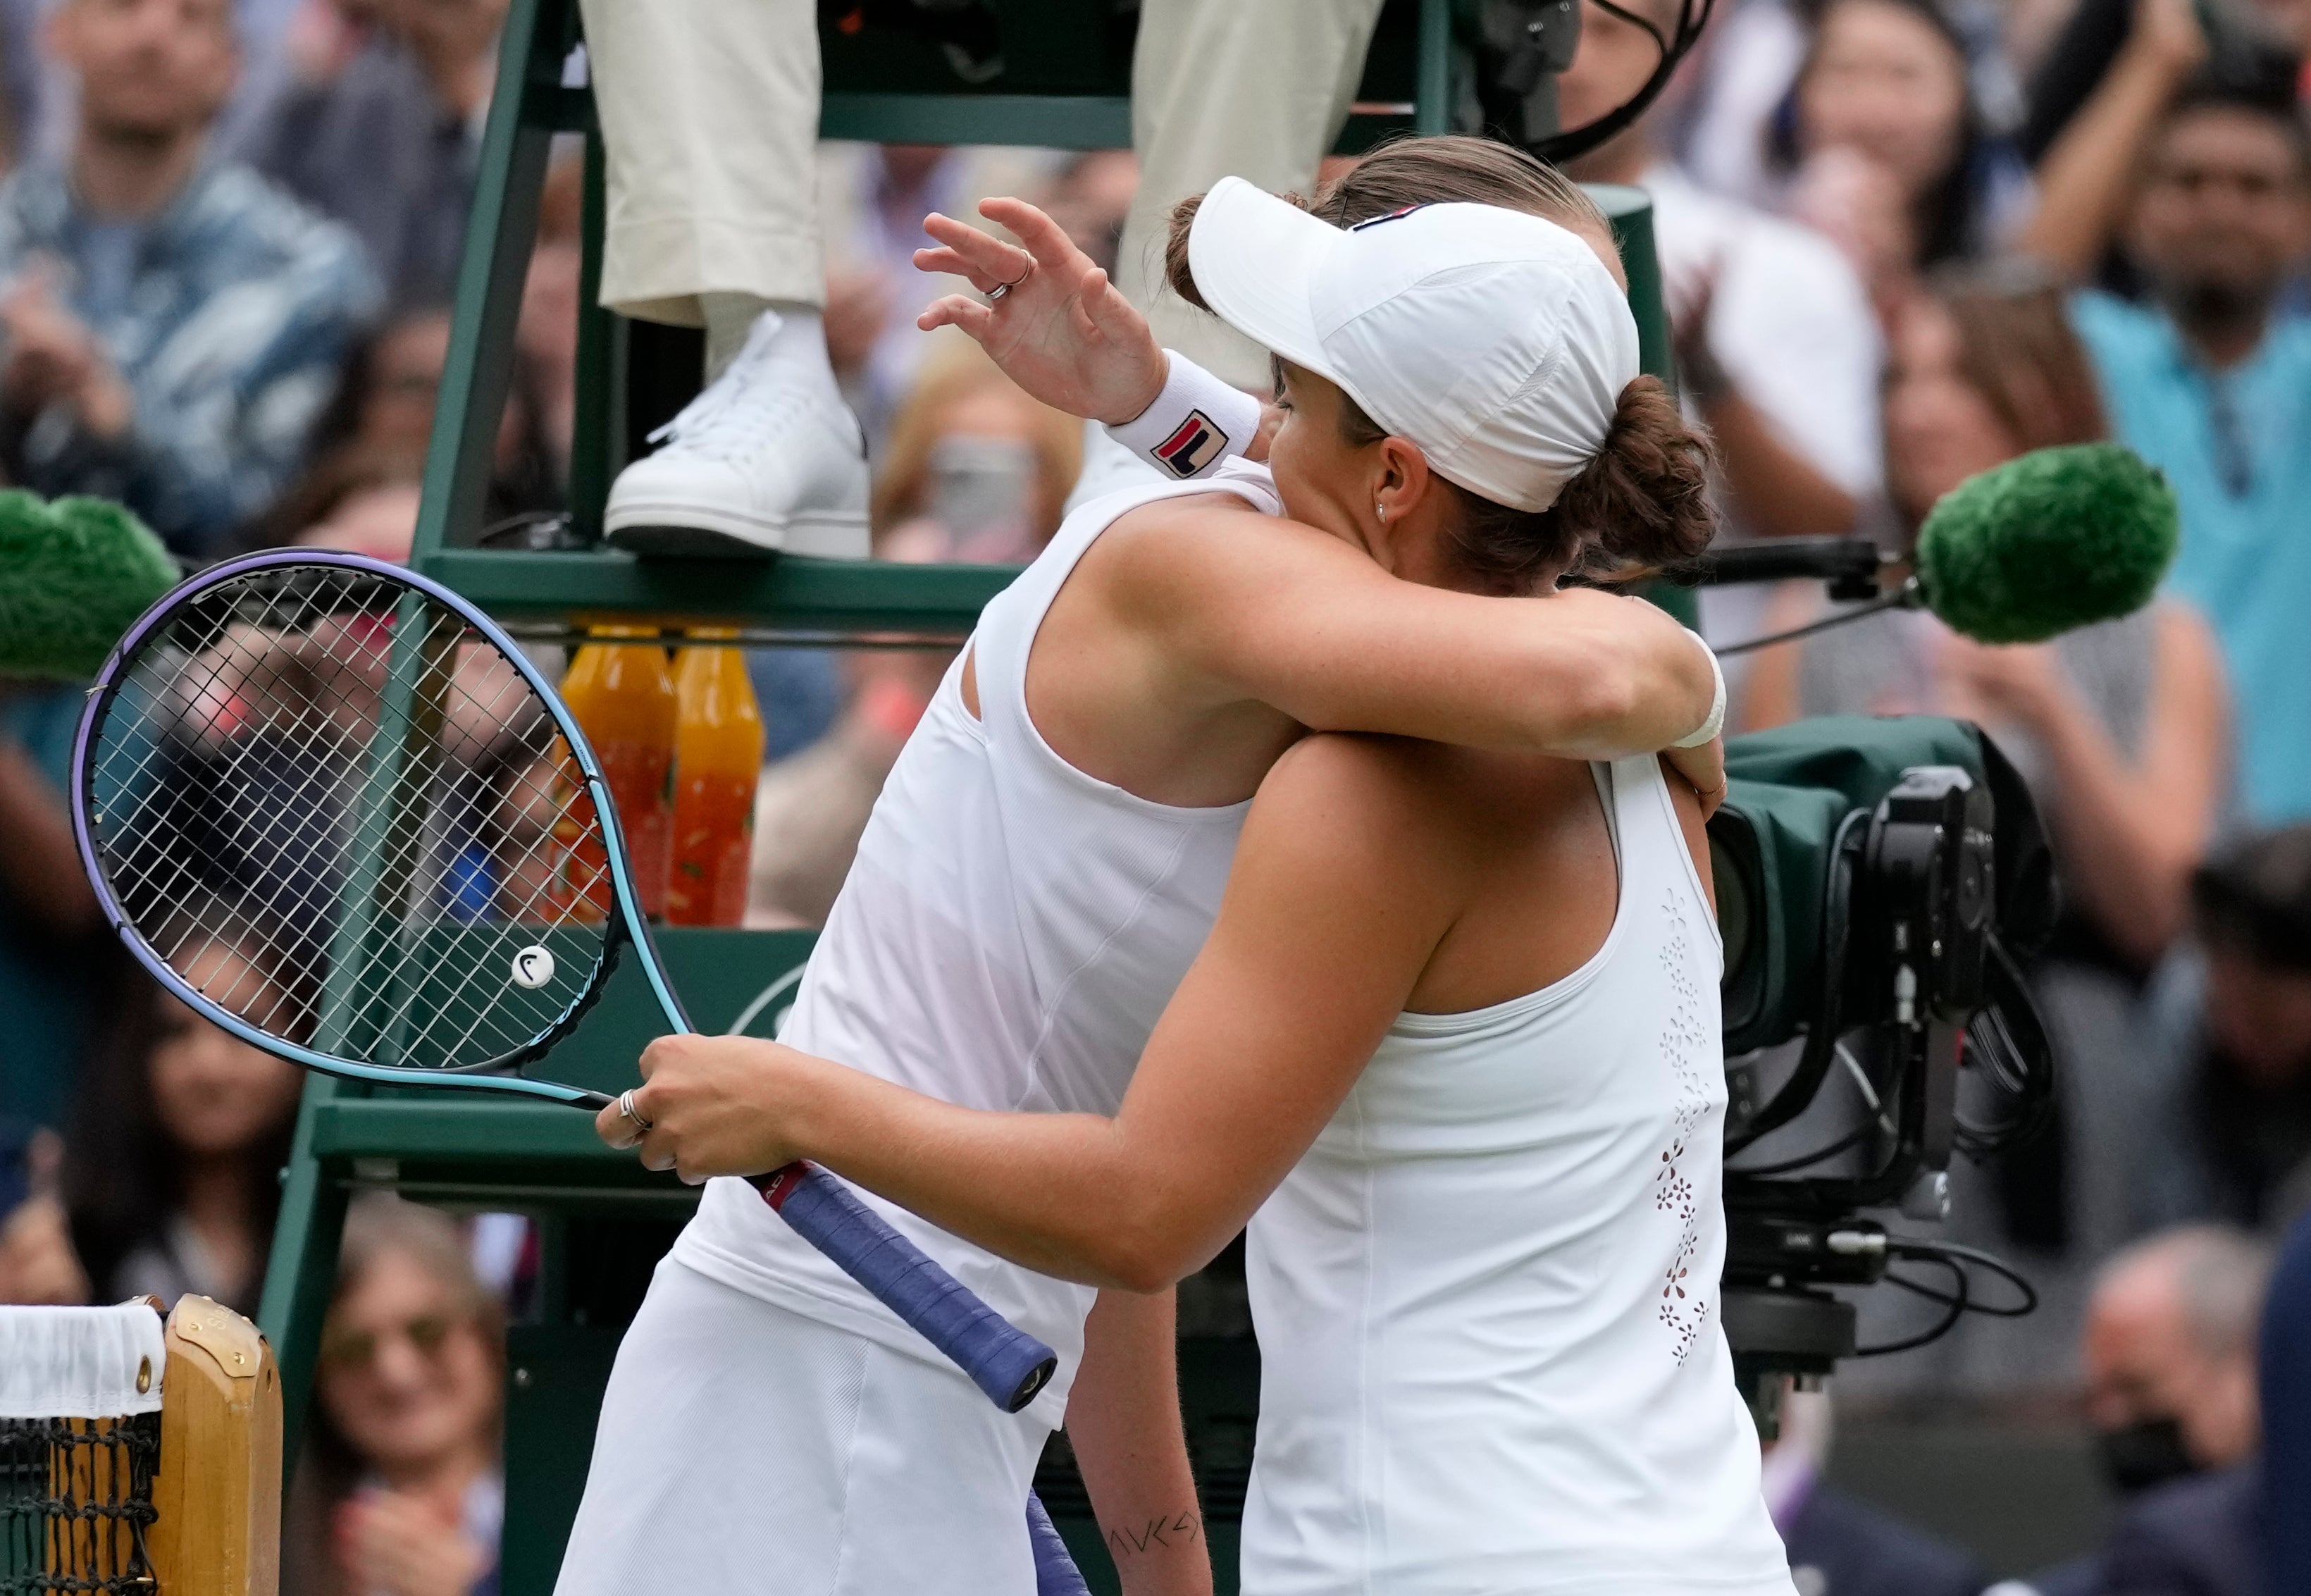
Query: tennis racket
x,y
331,807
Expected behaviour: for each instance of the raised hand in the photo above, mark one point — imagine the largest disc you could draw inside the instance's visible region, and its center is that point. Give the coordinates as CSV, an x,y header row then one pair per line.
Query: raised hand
x,y
1061,330
38,1264
393,1544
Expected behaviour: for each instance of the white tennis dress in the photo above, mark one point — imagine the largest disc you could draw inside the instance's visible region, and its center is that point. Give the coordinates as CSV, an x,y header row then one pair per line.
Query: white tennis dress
x,y
1009,934
1492,1287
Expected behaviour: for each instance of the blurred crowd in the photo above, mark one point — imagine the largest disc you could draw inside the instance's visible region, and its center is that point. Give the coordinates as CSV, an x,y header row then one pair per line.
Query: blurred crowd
x,y
1901,241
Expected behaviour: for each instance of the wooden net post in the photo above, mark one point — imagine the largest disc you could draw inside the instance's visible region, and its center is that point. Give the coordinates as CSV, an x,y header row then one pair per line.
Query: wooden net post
x,y
218,1493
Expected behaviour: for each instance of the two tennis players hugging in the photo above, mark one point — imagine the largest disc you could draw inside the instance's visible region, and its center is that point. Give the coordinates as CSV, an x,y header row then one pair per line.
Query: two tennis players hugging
x,y
1288,848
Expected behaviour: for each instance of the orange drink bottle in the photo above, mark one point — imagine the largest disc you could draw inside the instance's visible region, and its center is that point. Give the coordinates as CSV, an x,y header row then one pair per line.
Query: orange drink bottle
x,y
718,755
623,696
547,885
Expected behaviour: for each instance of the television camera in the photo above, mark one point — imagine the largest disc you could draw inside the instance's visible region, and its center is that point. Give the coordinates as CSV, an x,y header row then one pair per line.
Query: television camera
x,y
1878,880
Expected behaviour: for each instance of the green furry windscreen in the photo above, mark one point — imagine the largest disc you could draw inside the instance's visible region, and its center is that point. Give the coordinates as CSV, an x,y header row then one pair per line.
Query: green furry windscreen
x,y
2054,539
74,575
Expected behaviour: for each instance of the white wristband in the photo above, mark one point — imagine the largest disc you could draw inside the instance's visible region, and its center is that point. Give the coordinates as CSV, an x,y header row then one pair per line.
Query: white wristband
x,y
1716,721
1197,422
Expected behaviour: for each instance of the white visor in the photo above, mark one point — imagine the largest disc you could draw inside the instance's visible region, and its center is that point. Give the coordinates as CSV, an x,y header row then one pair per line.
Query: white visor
x,y
1495,340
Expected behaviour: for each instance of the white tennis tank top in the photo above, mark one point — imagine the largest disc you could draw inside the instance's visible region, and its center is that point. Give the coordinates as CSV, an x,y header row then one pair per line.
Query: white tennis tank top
x,y
1007,936
1489,1290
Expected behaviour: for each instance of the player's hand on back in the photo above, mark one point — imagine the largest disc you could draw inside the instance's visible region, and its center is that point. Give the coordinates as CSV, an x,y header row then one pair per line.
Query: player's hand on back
x,y
1061,330
714,1105
1703,769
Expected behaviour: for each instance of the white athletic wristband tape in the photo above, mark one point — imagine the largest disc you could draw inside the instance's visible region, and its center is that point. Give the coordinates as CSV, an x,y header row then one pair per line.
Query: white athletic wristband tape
x,y
1716,721
1197,422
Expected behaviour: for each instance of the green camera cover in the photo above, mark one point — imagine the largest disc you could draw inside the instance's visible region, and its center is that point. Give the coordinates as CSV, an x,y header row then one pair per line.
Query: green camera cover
x,y
1770,844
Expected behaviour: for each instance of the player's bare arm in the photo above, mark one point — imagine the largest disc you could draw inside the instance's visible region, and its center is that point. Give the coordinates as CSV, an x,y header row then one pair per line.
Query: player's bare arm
x,y
1578,673
1335,905
1123,1423
1274,612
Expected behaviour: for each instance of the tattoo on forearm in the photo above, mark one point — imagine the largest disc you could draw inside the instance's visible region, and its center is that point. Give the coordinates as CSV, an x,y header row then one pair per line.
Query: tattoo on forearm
x,y
1185,1529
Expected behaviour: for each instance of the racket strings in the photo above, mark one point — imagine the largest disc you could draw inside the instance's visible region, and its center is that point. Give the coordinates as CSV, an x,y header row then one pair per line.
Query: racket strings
x,y
312,728
548,773
286,830
154,874
321,790
414,840
438,1033
302,823
197,675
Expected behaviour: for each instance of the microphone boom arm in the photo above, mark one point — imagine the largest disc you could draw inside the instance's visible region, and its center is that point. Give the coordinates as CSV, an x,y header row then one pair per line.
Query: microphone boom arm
x,y
1850,565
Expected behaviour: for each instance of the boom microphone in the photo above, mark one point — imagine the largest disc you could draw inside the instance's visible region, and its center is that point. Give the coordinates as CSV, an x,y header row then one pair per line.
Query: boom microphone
x,y
74,575
2050,540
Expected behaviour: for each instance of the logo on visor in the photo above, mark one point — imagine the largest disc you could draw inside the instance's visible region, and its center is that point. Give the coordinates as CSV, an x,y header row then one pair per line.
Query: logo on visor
x,y
1395,215
1193,445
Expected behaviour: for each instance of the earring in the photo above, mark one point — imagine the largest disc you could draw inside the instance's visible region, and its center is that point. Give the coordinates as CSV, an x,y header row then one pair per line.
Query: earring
x,y
1381,511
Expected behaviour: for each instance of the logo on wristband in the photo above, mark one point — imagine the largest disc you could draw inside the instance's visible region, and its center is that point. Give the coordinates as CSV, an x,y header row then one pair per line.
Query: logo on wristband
x,y
1193,445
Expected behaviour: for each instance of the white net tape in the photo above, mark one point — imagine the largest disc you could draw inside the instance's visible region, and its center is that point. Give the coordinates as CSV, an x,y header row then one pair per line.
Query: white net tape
x,y
80,1363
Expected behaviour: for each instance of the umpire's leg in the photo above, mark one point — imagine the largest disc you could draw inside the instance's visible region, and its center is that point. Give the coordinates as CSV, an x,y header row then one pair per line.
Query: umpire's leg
x,y
709,117
1254,88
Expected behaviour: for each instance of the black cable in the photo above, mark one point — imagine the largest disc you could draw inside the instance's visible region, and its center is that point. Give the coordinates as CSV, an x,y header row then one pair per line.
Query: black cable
x,y
1949,1252
1987,1048
1904,595
1959,1300
1662,46
1851,1139
2021,1066
1573,142
1992,1048
1921,1289
1941,1327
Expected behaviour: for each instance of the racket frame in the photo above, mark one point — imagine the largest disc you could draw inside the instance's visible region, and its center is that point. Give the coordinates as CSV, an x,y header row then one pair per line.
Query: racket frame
x,y
629,924
1008,1365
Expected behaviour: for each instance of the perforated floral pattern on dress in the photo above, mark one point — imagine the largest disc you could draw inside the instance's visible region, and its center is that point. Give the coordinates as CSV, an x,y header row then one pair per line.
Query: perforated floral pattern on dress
x,y
1685,1044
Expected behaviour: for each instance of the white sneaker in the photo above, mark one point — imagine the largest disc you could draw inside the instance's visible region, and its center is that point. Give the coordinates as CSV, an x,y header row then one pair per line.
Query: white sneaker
x,y
767,458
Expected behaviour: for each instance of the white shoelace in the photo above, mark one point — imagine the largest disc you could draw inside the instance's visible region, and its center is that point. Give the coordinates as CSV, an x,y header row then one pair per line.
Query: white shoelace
x,y
720,424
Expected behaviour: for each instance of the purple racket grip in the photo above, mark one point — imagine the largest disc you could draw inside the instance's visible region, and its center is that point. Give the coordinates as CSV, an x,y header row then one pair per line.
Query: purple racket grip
x,y
1008,1364
1056,1574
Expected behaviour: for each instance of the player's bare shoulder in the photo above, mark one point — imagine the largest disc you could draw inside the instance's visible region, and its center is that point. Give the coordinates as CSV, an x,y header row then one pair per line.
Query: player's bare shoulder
x,y
1207,552
1453,809
1390,796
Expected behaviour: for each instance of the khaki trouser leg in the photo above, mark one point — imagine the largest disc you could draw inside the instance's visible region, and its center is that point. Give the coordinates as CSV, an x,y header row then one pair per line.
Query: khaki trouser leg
x,y
1254,88
710,115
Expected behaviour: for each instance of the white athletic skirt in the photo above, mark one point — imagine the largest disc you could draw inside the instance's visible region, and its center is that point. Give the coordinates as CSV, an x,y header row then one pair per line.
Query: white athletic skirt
x,y
743,1448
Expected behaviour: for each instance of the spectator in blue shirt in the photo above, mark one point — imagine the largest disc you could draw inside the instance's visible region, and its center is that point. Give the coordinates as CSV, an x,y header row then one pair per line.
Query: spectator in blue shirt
x,y
173,324
2212,382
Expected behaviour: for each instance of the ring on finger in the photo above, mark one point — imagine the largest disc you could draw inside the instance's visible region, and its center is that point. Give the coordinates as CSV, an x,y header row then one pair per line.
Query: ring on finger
x,y
626,1107
997,293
